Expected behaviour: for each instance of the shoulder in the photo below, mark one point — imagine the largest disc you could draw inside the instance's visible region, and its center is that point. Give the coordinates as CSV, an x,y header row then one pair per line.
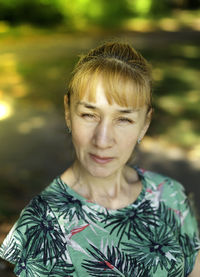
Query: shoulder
x,y
159,182
169,198
161,189
37,223
36,243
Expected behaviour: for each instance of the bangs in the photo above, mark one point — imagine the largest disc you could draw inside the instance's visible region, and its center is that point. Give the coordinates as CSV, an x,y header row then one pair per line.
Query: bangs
x,y
121,85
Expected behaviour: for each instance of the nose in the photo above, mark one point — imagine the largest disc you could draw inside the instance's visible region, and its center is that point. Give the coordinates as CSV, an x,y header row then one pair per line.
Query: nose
x,y
103,136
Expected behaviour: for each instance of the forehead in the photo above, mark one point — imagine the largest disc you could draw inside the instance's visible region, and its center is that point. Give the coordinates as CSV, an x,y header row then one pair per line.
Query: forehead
x,y
101,104
100,98
116,88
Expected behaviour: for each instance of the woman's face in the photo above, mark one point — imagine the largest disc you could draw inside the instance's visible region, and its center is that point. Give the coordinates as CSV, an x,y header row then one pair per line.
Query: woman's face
x,y
104,135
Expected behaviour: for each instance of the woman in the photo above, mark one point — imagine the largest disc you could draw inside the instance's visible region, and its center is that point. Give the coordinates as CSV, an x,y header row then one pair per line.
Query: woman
x,y
102,217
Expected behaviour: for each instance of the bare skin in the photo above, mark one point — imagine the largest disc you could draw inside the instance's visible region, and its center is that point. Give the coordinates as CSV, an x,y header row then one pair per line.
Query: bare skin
x,y
116,197
196,270
97,130
104,136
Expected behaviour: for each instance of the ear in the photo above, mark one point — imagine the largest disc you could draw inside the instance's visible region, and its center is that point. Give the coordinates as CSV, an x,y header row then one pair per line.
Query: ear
x,y
67,111
146,124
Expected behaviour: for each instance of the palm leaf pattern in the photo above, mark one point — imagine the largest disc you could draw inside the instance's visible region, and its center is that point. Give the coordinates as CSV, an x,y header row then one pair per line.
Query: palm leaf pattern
x,y
176,271
131,219
66,204
155,236
188,245
61,269
159,247
11,252
43,234
30,267
168,216
113,263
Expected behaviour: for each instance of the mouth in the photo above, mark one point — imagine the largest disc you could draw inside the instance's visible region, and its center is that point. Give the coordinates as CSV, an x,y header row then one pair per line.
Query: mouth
x,y
101,160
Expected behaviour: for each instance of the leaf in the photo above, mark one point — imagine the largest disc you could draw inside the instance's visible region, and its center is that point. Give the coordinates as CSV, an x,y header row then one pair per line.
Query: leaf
x,y
112,263
131,219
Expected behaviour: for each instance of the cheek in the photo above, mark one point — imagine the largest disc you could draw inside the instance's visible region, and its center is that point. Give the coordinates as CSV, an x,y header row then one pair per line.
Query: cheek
x,y
130,146
80,135
128,143
128,139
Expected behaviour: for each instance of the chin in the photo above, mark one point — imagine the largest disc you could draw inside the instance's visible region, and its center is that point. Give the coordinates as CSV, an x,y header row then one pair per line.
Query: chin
x,y
100,172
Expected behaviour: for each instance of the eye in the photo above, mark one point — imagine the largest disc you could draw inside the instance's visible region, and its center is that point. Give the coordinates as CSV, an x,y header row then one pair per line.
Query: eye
x,y
89,116
125,120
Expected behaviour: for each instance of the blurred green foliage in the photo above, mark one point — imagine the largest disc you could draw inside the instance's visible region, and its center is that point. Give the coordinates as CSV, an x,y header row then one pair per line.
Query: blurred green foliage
x,y
36,68
37,12
109,13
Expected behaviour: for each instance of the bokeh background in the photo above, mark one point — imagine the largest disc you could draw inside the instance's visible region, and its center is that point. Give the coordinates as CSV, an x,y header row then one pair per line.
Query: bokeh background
x,y
40,41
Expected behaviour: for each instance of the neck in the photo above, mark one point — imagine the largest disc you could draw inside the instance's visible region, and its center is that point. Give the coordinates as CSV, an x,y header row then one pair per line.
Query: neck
x,y
95,188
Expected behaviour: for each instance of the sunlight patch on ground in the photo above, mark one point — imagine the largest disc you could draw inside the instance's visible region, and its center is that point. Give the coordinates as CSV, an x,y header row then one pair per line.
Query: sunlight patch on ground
x,y
28,126
183,131
194,155
162,147
5,110
169,24
188,18
4,27
177,21
159,146
193,96
10,79
138,24
170,104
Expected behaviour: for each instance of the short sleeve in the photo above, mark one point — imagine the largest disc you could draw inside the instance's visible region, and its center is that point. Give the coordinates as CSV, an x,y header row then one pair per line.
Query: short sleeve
x,y
12,246
35,243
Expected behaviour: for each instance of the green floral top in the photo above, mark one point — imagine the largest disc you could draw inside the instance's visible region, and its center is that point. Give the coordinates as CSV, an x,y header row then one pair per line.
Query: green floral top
x,y
60,233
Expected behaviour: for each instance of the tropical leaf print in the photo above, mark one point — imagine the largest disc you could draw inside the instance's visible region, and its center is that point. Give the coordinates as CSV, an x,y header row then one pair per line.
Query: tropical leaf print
x,y
28,266
189,244
169,217
31,267
177,271
65,204
159,247
112,263
10,251
61,269
59,234
131,219
43,234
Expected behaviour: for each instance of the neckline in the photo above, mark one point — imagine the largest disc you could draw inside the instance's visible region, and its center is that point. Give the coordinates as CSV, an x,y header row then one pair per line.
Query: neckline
x,y
98,206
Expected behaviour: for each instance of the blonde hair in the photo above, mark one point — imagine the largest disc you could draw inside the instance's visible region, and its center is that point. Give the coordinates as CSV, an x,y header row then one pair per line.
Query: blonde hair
x,y
123,72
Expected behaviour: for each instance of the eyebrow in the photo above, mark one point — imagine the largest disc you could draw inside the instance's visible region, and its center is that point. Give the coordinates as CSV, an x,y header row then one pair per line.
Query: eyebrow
x,y
89,106
93,107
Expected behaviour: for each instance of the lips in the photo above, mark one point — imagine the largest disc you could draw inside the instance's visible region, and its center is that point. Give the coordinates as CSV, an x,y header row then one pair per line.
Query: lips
x,y
101,160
